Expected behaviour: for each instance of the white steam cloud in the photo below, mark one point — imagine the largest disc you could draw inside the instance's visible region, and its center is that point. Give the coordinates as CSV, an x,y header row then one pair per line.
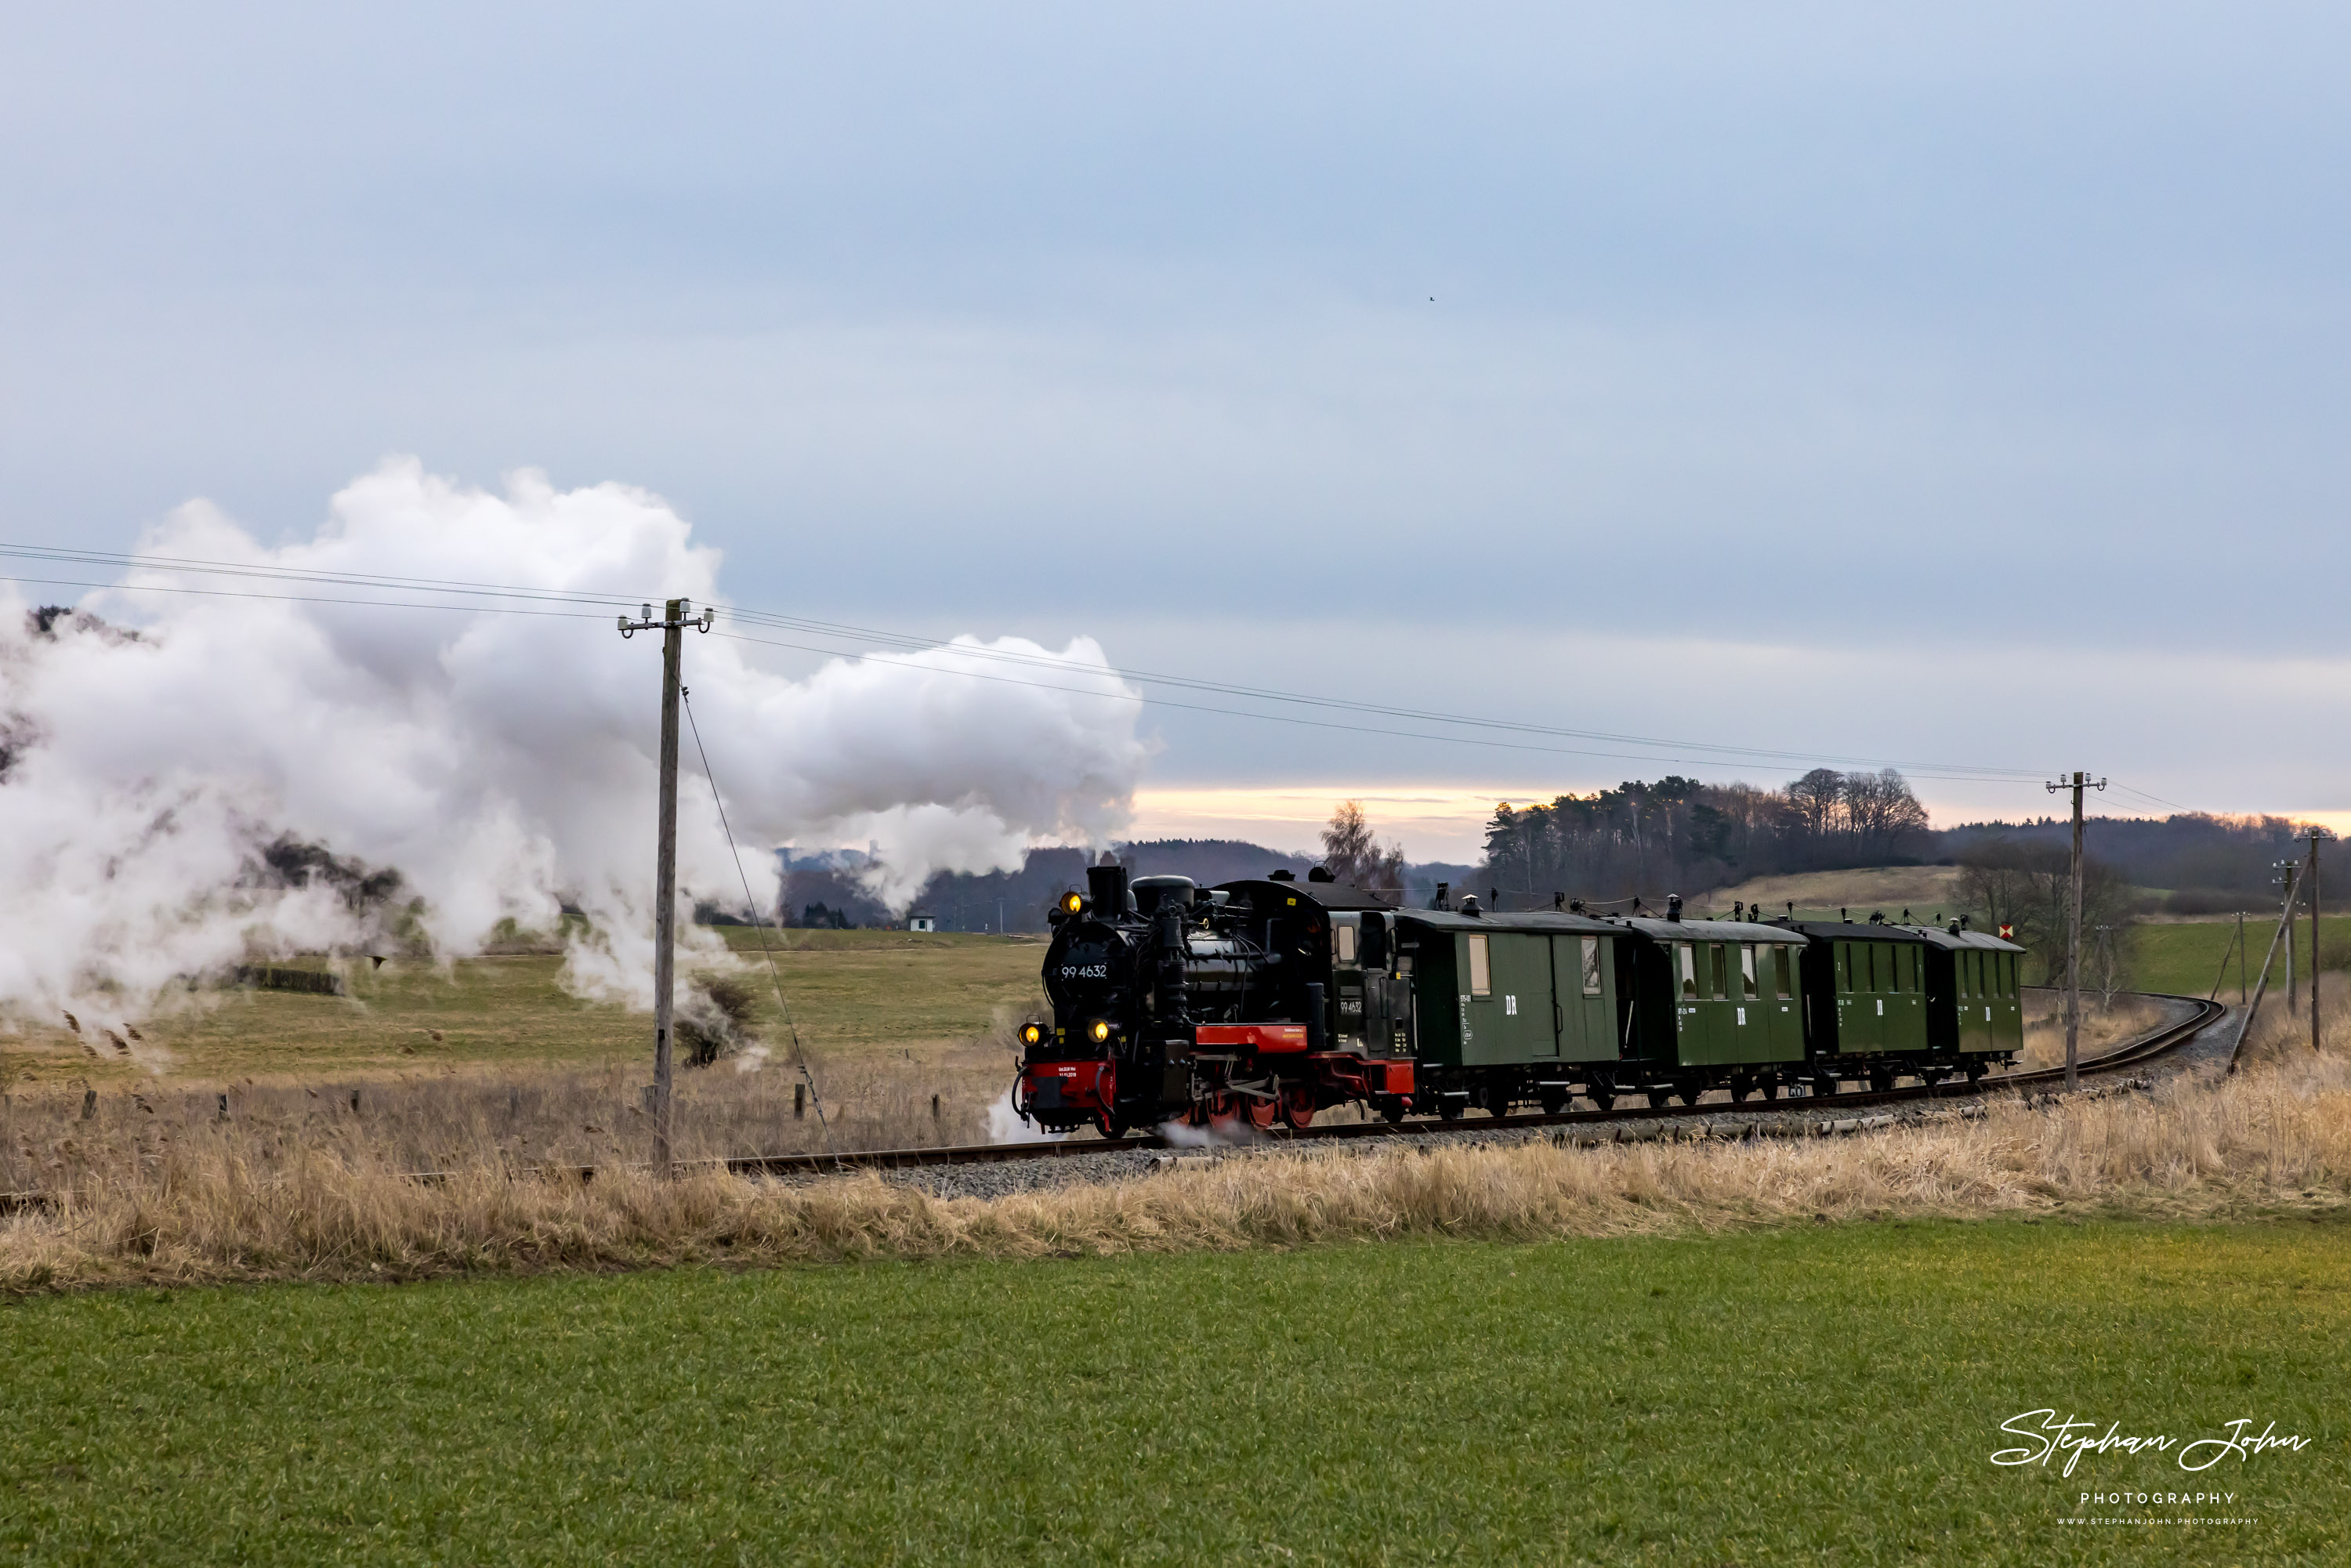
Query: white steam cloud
x,y
499,762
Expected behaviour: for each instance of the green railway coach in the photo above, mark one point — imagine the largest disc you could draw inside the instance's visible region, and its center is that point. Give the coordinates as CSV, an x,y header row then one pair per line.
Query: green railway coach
x,y
1975,1006
1710,1003
1864,1000
1509,1006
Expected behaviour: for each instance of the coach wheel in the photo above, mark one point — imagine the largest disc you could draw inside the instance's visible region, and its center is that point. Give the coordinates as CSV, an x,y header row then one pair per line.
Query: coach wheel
x,y
1449,1107
1392,1109
1881,1079
1601,1095
1690,1092
1975,1072
1554,1101
1660,1098
1770,1089
1824,1086
1740,1090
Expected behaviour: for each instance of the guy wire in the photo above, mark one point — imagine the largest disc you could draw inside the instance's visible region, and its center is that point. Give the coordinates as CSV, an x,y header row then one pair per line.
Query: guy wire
x,y
800,1054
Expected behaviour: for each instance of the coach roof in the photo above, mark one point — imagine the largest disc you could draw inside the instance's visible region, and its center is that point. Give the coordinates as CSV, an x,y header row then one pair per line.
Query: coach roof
x,y
1550,921
1711,930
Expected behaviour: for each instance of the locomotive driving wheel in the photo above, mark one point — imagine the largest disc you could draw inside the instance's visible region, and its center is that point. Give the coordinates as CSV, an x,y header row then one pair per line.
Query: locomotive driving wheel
x,y
1224,1112
1298,1104
1263,1111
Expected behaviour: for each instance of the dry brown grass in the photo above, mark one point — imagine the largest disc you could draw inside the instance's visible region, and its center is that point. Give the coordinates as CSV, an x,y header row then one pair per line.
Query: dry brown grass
x,y
203,1207
2103,1027
504,1119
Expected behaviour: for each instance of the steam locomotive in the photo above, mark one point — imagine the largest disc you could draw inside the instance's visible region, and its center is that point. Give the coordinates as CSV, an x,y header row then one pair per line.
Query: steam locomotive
x,y
1265,1001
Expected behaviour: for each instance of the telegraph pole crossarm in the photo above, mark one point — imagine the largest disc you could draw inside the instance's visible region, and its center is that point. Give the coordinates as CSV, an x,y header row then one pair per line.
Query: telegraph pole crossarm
x,y
2079,782
677,616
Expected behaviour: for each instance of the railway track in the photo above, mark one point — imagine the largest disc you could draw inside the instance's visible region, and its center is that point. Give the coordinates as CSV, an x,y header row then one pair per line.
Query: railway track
x,y
2146,1047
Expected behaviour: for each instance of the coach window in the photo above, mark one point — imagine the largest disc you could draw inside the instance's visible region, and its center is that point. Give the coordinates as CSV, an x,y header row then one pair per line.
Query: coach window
x,y
1784,972
1909,968
1345,936
1747,971
1844,965
1721,955
1688,961
1872,957
1592,965
1482,974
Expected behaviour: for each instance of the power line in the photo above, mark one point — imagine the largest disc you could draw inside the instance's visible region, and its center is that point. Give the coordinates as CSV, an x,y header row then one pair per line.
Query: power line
x,y
1707,754
907,643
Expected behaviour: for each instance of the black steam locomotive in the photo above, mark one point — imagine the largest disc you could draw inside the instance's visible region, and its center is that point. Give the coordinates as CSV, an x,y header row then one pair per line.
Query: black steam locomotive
x,y
1255,1002
1264,1001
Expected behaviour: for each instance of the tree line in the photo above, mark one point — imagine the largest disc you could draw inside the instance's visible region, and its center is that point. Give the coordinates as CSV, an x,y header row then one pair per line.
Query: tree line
x,y
1646,840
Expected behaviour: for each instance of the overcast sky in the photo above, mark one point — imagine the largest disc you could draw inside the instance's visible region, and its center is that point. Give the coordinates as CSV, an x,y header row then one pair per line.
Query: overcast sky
x,y
1959,386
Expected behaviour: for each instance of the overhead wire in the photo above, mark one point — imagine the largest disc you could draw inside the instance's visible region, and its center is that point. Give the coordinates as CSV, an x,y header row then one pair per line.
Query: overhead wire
x,y
541,601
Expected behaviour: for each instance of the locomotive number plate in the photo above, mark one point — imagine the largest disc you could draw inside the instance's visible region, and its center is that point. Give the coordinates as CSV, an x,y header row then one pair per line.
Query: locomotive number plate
x,y
1085,971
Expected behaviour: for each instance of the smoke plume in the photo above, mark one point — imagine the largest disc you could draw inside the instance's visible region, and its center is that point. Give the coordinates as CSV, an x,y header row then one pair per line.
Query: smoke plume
x,y
190,778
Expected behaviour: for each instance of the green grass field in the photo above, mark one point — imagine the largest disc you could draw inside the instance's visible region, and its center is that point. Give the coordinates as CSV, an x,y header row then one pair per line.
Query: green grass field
x,y
2185,957
1825,1394
850,992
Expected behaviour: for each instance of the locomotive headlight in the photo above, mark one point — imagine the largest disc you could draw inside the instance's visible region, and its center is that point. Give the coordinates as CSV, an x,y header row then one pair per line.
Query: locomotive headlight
x,y
1030,1033
1073,904
1100,1031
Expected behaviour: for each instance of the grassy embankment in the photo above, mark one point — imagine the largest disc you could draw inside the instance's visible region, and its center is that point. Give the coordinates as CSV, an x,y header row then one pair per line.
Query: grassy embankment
x,y
1808,1395
493,1053
327,1195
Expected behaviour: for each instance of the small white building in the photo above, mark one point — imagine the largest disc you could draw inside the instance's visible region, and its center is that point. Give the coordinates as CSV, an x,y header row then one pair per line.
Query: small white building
x,y
918,921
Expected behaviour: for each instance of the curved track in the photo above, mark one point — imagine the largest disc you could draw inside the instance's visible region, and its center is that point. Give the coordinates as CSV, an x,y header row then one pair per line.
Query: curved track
x,y
2146,1047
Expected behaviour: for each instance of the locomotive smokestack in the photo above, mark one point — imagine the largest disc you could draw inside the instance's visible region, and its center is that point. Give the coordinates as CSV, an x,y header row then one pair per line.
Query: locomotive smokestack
x,y
1106,884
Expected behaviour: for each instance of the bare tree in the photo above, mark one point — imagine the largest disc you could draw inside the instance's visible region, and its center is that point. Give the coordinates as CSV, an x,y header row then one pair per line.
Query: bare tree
x,y
1353,853
1881,810
1818,797
2029,887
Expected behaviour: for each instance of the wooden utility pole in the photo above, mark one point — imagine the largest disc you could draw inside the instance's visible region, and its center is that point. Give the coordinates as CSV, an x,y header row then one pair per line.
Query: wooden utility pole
x,y
2315,835
2074,935
674,620
2285,927
2289,876
2240,957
